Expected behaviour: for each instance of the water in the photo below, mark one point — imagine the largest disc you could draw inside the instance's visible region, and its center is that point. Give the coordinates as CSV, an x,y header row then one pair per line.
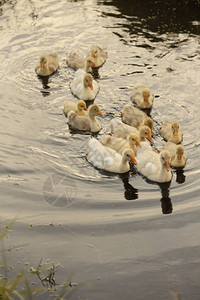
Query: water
x,y
127,237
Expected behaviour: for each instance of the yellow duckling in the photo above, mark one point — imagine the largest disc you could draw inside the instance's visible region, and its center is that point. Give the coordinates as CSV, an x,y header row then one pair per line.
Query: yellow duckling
x,y
107,159
79,107
142,96
171,132
47,65
86,123
177,154
99,55
120,144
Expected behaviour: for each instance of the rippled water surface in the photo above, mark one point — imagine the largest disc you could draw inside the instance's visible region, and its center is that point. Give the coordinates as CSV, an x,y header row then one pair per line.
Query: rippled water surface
x,y
126,237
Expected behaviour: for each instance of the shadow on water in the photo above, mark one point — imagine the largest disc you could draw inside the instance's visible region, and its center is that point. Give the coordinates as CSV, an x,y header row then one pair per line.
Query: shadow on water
x,y
158,16
45,85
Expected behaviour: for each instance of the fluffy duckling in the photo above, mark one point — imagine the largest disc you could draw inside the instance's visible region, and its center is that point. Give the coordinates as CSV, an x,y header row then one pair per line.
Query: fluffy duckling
x,y
107,159
122,130
120,144
171,132
145,134
177,154
86,123
132,115
84,87
99,55
142,96
89,63
79,107
154,166
47,65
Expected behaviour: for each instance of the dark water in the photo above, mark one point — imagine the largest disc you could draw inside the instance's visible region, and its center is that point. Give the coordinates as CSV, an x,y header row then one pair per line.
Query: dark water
x,y
128,238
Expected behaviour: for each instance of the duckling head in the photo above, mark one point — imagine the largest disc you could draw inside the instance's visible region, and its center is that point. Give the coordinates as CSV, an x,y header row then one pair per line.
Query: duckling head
x,y
175,127
81,105
165,157
133,139
90,62
43,62
94,111
87,81
128,155
179,152
94,52
148,122
145,133
146,94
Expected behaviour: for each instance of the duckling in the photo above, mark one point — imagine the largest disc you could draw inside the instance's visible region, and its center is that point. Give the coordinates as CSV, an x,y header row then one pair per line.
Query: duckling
x,y
79,107
177,154
142,96
122,130
132,115
89,63
86,123
120,144
47,65
99,55
171,132
107,159
154,166
84,87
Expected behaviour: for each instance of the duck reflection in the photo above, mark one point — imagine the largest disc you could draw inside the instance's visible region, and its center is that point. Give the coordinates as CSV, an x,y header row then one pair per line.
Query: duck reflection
x,y
45,85
166,203
180,177
130,192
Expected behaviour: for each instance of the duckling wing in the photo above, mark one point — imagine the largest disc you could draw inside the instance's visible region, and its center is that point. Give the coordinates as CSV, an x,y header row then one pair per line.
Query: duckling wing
x,y
76,61
79,122
77,86
101,156
165,130
68,106
148,163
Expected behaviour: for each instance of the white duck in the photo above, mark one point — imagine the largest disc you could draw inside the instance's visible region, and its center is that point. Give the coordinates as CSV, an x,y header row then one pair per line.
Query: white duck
x,y
132,115
171,132
47,64
177,154
122,130
99,55
120,144
78,107
154,166
86,123
142,96
107,159
84,87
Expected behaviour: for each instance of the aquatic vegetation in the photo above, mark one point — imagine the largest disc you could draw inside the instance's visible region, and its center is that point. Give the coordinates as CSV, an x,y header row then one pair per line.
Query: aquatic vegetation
x,y
18,286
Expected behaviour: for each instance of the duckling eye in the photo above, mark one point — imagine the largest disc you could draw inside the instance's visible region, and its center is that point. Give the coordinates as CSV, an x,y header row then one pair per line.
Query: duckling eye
x,y
146,132
133,139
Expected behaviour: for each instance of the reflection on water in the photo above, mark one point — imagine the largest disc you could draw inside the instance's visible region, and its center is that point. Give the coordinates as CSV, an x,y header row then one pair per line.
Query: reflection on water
x,y
166,203
180,176
130,192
